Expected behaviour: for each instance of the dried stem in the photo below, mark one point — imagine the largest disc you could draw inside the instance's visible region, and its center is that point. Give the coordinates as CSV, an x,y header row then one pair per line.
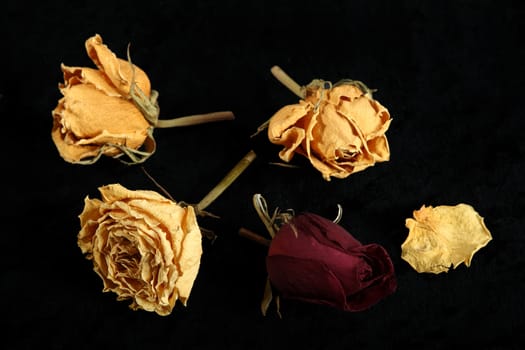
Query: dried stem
x,y
195,119
287,81
226,181
166,193
259,203
254,236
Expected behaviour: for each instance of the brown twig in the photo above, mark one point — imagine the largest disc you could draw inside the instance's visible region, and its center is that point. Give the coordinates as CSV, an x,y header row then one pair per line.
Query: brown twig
x,y
244,232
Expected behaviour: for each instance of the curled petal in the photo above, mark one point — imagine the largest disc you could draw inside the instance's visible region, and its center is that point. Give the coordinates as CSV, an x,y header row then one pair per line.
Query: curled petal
x,y
118,71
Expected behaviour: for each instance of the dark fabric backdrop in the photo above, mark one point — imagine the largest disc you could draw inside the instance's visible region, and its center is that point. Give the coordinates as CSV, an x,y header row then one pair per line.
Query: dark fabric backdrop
x,y
451,75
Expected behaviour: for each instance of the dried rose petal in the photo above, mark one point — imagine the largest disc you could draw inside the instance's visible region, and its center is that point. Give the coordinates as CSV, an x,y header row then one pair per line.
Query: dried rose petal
x,y
443,236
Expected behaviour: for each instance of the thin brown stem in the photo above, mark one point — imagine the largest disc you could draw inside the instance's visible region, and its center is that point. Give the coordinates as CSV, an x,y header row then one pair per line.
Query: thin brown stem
x,y
195,119
166,193
226,181
244,232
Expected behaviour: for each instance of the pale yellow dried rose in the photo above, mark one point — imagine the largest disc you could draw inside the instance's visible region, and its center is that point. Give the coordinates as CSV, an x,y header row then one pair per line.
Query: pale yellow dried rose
x,y
443,237
145,247
340,128
96,115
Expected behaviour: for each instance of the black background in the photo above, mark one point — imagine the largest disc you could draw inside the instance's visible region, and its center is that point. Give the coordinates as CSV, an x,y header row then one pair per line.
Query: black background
x,y
451,75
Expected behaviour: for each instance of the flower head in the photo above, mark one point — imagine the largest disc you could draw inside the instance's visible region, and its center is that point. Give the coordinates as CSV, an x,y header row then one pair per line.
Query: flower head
x,y
111,110
145,247
315,260
96,115
340,128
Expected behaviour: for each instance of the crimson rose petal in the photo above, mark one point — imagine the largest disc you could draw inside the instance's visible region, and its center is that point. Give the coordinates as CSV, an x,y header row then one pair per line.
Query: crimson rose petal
x,y
305,280
313,259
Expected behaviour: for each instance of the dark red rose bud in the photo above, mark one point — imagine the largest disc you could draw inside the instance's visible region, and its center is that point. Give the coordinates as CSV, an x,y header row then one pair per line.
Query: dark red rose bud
x,y
315,260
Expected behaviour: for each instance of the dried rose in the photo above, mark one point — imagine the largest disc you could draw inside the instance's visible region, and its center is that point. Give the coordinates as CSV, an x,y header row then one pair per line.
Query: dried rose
x,y
315,260
340,128
96,115
443,237
111,110
145,247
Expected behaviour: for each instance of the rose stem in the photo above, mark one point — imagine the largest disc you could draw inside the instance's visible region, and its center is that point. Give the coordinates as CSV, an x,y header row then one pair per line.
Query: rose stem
x,y
287,81
254,236
226,181
195,119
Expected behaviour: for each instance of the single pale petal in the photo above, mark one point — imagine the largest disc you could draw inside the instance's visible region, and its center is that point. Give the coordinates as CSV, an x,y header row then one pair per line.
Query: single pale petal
x,y
89,76
344,93
89,111
286,128
117,192
368,114
89,223
285,118
379,148
444,236
118,71
189,257
329,169
91,211
291,139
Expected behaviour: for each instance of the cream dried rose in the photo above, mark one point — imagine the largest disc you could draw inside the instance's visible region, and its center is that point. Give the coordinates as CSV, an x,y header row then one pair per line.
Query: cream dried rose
x,y
145,247
340,128
96,115
444,236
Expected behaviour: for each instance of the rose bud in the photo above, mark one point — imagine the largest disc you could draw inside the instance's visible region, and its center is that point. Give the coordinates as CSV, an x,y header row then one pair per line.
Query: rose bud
x,y
110,110
96,114
315,260
145,247
340,128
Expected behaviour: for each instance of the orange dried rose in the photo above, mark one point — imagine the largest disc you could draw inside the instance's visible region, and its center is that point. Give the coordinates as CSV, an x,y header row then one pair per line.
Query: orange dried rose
x,y
110,110
145,247
340,128
444,236
96,115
